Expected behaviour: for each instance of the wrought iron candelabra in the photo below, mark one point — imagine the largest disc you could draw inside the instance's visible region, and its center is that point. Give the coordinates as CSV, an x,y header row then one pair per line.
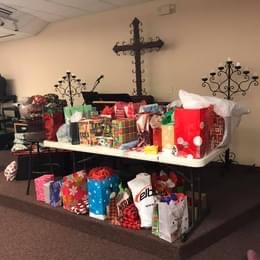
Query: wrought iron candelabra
x,y
230,79
70,86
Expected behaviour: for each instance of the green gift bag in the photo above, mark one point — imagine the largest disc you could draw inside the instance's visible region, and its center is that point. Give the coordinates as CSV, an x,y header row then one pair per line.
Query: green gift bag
x,y
70,110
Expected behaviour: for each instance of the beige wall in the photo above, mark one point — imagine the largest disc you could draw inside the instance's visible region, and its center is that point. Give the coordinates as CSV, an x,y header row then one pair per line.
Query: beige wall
x,y
198,37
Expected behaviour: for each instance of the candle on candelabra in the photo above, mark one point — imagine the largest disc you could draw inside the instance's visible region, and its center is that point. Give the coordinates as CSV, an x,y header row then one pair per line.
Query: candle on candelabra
x,y
246,71
238,64
229,59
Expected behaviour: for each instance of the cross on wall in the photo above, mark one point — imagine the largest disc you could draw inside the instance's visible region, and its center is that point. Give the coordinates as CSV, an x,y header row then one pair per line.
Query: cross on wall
x,y
137,48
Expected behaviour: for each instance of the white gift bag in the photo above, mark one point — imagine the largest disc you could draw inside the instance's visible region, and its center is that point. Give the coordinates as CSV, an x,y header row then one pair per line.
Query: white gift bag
x,y
173,219
141,188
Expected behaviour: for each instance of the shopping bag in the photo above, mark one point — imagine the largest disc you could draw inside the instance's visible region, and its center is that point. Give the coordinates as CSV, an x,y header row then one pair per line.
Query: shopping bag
x,y
173,219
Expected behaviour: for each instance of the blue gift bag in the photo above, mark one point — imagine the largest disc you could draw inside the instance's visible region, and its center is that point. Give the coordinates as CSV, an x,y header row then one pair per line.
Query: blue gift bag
x,y
99,193
55,199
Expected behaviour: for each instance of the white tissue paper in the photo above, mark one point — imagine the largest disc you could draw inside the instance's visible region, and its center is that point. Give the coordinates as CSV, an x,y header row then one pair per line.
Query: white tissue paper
x,y
229,110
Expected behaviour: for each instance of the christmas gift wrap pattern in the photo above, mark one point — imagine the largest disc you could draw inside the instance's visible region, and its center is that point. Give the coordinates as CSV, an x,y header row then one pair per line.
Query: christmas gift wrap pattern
x,y
92,129
167,136
192,132
55,193
73,189
217,130
39,185
105,141
124,131
89,130
100,184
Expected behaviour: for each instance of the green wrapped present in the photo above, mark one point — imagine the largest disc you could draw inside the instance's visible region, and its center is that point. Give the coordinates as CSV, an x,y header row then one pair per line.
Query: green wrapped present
x,y
123,131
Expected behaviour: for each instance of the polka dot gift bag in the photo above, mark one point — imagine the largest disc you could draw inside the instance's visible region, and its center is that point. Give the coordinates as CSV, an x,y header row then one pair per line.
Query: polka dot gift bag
x,y
101,182
192,132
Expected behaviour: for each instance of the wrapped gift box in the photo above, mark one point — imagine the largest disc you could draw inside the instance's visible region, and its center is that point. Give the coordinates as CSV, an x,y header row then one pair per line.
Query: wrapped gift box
x,y
46,190
55,196
167,136
91,129
124,131
192,132
99,191
73,189
39,185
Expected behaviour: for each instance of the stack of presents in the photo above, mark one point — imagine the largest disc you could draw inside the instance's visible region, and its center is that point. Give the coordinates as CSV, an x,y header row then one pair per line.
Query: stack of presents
x,y
157,201
148,128
41,117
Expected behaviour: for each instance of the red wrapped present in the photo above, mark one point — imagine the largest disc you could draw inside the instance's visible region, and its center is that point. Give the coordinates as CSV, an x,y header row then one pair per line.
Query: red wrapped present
x,y
192,131
133,108
73,189
120,110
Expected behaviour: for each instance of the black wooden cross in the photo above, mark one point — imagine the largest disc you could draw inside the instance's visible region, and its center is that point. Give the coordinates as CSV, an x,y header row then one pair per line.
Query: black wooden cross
x,y
136,48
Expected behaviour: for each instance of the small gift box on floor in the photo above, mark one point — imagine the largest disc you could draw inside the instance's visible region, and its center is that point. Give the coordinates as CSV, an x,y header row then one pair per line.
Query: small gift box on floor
x,y
55,193
124,131
39,185
73,189
47,193
101,182
192,132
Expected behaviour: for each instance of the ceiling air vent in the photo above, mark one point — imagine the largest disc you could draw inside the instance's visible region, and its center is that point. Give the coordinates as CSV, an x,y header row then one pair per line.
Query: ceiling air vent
x,y
6,11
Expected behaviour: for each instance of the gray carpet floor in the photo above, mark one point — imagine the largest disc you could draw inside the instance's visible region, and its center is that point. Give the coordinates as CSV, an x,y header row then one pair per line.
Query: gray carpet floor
x,y
24,236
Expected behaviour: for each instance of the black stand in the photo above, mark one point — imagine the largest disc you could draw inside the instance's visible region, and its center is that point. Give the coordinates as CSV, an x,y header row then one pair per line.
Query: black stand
x,y
70,86
228,81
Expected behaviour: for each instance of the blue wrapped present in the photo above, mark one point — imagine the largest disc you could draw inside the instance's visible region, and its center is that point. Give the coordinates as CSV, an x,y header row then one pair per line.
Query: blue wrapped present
x,y
55,198
99,195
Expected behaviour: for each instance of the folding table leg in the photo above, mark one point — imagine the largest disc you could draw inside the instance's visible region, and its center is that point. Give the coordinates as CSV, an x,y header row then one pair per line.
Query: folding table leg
x,y
30,170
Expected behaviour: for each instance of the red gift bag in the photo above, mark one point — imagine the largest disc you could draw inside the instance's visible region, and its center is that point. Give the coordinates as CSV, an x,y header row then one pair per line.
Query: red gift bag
x,y
192,131
52,123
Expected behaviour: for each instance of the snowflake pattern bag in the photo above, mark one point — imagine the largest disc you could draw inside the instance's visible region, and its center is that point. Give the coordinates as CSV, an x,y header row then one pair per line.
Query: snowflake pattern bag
x,y
73,189
192,132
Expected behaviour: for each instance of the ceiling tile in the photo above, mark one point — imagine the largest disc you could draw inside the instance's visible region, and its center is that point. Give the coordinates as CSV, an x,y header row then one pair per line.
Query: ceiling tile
x,y
125,2
44,15
44,6
89,5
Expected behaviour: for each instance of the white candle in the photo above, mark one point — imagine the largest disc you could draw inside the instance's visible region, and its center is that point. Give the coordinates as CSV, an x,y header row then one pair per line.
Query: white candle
x,y
255,75
238,64
68,71
229,59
